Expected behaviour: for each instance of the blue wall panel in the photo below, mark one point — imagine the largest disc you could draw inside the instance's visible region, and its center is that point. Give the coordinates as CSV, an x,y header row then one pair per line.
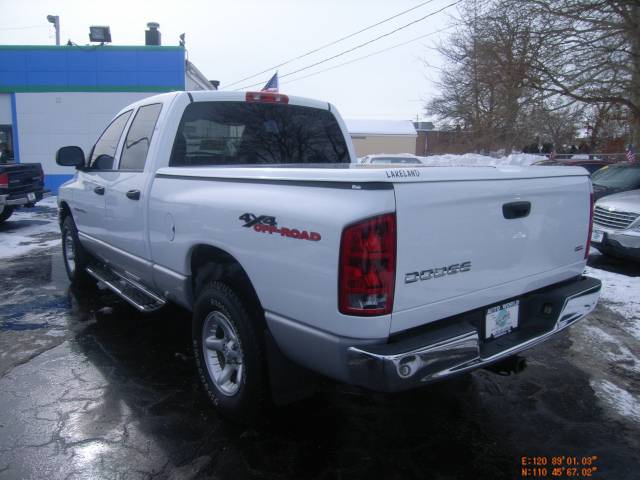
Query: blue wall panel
x,y
46,61
162,79
158,62
12,60
51,77
109,77
82,77
53,182
78,60
116,61
96,68
14,78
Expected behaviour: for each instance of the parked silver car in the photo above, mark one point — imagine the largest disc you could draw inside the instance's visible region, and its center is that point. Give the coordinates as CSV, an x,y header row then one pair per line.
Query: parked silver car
x,y
616,225
390,158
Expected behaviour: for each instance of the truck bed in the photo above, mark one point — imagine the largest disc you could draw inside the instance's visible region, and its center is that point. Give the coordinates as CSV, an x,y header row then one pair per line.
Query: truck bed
x,y
445,216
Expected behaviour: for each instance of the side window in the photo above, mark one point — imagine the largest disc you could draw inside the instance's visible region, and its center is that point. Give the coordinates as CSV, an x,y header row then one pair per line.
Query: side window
x,y
106,146
136,145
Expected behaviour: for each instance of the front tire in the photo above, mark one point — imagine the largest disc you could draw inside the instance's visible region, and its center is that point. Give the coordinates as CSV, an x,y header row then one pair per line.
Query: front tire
x,y
75,257
229,353
6,213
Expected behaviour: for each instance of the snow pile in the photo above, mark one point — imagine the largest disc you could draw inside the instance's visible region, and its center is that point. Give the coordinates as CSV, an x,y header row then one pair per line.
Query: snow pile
x,y
477,160
30,228
360,126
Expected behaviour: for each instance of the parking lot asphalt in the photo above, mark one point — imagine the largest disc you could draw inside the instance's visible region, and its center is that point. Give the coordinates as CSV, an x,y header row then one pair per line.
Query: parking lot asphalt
x,y
89,388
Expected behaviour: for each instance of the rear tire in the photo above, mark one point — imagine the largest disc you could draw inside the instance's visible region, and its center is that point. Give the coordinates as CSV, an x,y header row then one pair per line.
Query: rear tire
x,y
229,352
6,213
75,257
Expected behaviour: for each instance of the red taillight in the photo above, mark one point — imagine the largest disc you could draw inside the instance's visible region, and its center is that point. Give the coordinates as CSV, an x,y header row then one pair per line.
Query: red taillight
x,y
266,97
4,180
588,247
368,267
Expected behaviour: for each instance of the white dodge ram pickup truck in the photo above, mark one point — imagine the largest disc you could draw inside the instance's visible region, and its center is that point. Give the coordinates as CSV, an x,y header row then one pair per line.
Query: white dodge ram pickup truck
x,y
249,210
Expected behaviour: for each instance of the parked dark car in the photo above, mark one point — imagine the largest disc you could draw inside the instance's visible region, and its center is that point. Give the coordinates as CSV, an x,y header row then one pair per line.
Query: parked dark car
x,y
617,178
21,185
591,165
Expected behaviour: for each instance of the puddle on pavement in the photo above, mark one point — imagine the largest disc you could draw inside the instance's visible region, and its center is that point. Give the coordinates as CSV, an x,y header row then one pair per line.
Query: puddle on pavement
x,y
36,309
35,292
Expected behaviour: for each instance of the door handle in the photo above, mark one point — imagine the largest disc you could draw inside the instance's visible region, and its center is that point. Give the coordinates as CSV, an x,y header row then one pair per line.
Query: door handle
x,y
99,190
516,210
133,194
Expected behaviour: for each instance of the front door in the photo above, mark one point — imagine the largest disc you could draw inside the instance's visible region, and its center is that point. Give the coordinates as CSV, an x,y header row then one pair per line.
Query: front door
x,y
90,198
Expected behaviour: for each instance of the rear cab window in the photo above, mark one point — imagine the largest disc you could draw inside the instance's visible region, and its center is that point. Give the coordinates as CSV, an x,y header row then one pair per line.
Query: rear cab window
x,y
138,140
239,133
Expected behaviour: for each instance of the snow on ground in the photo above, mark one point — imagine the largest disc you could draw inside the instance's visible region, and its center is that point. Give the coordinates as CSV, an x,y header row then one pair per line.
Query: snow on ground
x,y
29,229
621,294
612,346
618,398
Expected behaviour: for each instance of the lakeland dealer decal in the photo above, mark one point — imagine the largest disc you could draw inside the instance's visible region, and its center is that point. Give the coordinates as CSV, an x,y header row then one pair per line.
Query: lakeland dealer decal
x,y
268,224
403,173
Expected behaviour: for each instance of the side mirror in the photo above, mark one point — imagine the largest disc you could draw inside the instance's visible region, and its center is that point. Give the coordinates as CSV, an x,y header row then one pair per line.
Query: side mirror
x,y
70,157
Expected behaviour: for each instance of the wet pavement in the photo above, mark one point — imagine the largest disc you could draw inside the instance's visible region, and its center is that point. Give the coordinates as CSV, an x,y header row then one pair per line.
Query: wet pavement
x,y
89,388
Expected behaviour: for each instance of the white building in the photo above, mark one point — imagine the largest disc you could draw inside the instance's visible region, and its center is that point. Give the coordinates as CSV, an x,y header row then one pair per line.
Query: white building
x,y
52,96
382,136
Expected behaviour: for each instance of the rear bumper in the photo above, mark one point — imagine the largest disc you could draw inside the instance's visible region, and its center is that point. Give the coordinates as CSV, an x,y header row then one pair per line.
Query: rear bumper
x,y
23,199
457,345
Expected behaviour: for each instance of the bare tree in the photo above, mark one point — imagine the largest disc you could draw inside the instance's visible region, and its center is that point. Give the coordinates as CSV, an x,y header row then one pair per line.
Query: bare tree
x,y
607,124
485,87
555,122
590,51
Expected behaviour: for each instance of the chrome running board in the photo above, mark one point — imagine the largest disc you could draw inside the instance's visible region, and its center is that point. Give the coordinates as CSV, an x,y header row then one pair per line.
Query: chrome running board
x,y
129,290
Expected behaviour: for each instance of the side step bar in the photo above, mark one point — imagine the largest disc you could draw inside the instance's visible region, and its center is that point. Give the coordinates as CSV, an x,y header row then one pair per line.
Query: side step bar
x,y
132,292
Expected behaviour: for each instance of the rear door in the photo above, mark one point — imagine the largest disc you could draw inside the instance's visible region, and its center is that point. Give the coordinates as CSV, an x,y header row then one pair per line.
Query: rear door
x,y
89,198
467,244
125,200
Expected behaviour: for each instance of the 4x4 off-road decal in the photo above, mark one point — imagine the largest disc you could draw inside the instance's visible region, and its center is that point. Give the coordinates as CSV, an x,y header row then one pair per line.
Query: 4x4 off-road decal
x,y
268,224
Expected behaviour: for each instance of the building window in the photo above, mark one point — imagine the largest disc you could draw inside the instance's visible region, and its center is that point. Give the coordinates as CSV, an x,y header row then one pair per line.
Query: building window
x,y
6,144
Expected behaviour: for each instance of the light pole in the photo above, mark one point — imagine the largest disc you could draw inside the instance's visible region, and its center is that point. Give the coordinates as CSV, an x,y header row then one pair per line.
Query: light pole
x,y
55,19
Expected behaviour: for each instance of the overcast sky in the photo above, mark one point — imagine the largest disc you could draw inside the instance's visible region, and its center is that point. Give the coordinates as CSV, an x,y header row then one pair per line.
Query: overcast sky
x,y
230,40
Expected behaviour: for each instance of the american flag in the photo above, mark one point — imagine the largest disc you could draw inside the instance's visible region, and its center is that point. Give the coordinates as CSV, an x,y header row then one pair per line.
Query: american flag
x,y
631,154
272,85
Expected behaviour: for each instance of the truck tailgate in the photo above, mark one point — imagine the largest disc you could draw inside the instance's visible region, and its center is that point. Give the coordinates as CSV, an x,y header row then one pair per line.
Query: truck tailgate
x,y
458,249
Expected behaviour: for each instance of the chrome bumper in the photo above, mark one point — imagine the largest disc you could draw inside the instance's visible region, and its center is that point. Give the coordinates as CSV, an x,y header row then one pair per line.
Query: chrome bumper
x,y
623,242
22,200
401,366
